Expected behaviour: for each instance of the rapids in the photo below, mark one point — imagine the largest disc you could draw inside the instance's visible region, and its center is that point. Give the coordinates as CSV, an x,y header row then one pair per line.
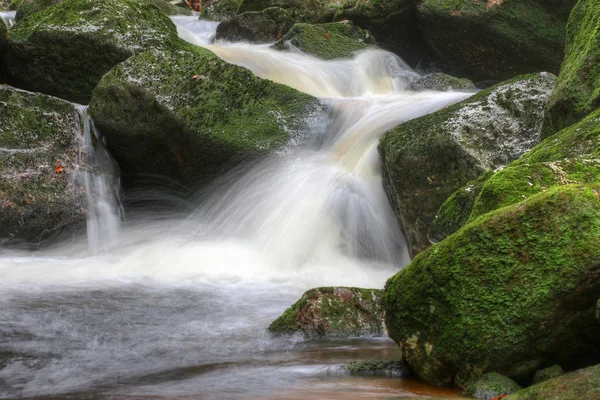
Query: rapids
x,y
177,305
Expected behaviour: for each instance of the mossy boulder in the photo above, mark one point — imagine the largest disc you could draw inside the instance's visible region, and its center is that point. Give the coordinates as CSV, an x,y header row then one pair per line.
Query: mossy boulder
x,y
39,135
219,10
576,385
441,82
256,26
512,291
426,159
491,385
302,10
186,114
327,41
64,50
577,90
495,39
547,373
333,311
393,368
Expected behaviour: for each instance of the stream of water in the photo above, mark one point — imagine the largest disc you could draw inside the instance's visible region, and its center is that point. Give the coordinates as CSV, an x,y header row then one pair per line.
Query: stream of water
x,y
178,306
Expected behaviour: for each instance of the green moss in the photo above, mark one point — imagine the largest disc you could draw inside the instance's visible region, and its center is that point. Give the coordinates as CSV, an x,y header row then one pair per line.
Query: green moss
x,y
441,82
378,368
264,26
220,10
167,7
26,7
510,292
547,373
327,41
333,311
491,385
577,385
578,88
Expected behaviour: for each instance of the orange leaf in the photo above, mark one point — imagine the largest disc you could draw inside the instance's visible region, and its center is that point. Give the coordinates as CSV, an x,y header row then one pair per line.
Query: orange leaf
x,y
196,77
58,169
326,36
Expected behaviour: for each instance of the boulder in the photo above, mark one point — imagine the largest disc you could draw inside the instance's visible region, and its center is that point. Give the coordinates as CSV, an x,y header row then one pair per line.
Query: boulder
x,y
441,82
333,311
185,114
547,373
219,10
511,292
302,10
496,40
65,50
392,368
576,385
490,386
264,26
577,90
426,159
327,41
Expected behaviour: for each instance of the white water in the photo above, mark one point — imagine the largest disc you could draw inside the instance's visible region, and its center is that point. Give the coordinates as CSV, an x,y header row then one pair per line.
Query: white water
x,y
8,17
194,294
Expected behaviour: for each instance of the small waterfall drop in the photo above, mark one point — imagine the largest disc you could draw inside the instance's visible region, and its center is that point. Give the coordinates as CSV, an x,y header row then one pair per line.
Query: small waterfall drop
x,y
8,17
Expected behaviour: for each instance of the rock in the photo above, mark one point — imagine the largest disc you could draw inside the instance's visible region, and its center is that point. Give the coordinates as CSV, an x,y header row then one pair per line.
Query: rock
x,y
577,89
256,26
65,50
186,114
598,310
302,10
547,373
219,10
40,190
491,385
27,7
441,82
168,8
397,369
577,385
426,159
327,41
508,293
334,311
496,39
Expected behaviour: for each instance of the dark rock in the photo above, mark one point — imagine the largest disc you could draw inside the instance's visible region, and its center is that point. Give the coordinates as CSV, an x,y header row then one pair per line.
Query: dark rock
x,y
397,369
256,26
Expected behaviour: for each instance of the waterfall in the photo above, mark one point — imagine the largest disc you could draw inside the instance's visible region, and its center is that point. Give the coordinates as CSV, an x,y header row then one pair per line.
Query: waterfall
x,y
8,17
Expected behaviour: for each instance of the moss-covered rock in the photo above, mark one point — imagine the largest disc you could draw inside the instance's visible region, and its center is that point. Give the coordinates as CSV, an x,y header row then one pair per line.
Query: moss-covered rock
x,y
264,26
426,159
491,385
219,10
327,41
26,7
185,113
441,82
38,134
496,40
64,50
378,368
577,385
508,293
577,90
334,311
302,10
167,7
547,373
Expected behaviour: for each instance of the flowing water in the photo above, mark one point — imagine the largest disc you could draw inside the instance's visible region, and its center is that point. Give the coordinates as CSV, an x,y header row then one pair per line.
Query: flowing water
x,y
177,305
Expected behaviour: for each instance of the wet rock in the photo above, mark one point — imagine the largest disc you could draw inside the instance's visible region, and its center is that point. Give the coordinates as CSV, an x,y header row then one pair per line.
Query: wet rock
x,y
441,83
512,291
577,385
219,10
327,41
256,26
186,114
334,311
302,10
65,50
168,8
395,369
547,373
426,159
496,39
577,94
491,385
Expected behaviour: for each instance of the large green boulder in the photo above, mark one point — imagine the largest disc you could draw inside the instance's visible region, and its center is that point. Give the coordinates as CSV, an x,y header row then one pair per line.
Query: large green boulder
x,y
577,90
186,114
64,50
511,292
490,386
333,311
327,41
576,385
495,39
426,159
264,26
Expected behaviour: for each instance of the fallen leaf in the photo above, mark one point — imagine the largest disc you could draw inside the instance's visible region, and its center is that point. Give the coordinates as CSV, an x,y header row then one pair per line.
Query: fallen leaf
x,y
196,77
58,169
326,36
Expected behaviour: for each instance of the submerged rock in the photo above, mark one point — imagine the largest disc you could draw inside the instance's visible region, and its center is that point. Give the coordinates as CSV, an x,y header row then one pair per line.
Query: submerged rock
x,y
256,26
327,41
512,291
441,83
397,369
426,159
334,311
65,50
496,39
577,385
186,114
547,373
577,90
491,385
